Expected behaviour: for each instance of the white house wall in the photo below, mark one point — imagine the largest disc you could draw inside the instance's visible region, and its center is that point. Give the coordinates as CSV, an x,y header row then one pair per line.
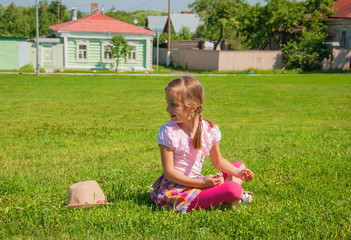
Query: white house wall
x,y
336,27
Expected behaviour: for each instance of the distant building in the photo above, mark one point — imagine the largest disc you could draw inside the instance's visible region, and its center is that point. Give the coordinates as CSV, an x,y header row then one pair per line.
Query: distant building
x,y
83,43
178,22
339,24
184,20
156,23
86,42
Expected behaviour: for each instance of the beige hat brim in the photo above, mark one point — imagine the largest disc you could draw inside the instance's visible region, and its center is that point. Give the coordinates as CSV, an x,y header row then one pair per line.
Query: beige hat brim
x,y
88,205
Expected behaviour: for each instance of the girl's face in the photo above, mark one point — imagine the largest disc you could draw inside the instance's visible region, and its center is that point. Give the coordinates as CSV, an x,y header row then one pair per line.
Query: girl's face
x,y
178,112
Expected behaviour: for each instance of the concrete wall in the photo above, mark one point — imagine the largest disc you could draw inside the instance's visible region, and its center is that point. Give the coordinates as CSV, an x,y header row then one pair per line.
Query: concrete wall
x,y
209,60
241,60
195,59
9,54
341,60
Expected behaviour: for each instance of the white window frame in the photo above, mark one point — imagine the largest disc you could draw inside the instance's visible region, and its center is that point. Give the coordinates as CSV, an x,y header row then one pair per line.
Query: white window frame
x,y
78,51
103,59
133,52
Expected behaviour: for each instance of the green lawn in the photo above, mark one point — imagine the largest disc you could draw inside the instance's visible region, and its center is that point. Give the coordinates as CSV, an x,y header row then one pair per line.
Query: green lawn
x,y
294,132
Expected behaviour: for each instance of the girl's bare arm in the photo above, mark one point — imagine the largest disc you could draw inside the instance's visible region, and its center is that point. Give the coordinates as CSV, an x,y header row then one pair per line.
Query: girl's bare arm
x,y
225,166
172,175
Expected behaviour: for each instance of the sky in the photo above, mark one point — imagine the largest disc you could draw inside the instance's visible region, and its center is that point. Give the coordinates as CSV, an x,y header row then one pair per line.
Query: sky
x,y
122,5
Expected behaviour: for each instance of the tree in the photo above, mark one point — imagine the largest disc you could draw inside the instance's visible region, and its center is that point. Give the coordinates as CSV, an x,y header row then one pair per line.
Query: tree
x,y
120,49
273,24
2,10
219,17
60,15
162,41
17,21
184,34
317,11
129,17
306,52
14,22
253,27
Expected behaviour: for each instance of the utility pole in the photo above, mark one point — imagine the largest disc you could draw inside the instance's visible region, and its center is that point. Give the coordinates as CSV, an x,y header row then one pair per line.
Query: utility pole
x,y
58,11
157,48
169,34
37,36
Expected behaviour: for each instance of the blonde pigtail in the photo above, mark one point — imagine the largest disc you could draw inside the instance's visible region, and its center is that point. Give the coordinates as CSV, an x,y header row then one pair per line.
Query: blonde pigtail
x,y
198,134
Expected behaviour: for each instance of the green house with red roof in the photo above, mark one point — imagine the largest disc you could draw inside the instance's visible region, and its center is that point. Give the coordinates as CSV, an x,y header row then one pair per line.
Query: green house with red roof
x,y
85,44
82,43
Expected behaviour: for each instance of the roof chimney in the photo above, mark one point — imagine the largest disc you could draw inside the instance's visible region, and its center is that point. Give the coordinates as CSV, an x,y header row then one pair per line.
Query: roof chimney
x,y
94,8
74,14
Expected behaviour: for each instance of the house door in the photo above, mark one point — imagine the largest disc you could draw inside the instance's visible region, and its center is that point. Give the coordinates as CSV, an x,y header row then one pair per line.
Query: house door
x,y
47,57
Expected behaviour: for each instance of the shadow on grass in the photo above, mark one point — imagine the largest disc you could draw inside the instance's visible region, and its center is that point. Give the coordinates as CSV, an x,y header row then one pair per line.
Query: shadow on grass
x,y
121,192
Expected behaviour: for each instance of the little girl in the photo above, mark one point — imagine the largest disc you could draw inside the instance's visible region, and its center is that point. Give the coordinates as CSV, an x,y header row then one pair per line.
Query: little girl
x,y
184,143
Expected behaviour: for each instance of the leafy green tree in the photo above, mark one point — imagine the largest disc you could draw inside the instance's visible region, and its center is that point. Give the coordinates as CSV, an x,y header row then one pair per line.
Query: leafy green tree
x,y
54,8
220,17
284,16
47,17
120,49
184,34
306,52
120,15
13,23
276,22
19,21
2,10
253,27
316,13
129,17
282,21
162,40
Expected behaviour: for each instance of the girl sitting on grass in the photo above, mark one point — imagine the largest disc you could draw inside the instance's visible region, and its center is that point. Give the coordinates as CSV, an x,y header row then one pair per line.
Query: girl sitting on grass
x,y
184,143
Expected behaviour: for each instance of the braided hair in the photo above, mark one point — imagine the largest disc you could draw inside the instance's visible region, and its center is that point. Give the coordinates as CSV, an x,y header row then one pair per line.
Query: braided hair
x,y
190,92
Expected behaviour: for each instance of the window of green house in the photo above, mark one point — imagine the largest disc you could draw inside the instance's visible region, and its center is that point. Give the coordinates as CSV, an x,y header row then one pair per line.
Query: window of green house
x,y
106,52
82,48
133,54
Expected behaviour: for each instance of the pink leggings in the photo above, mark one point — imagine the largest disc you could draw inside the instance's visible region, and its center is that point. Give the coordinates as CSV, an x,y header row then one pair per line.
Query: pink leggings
x,y
226,192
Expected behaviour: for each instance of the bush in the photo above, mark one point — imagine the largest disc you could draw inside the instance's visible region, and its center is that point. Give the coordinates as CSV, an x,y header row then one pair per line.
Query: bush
x,y
306,52
27,68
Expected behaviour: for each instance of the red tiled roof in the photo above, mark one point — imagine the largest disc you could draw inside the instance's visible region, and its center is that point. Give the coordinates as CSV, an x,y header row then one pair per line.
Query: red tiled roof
x,y
343,9
98,22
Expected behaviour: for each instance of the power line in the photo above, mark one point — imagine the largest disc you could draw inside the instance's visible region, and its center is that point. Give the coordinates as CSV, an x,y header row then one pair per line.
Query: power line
x,y
140,5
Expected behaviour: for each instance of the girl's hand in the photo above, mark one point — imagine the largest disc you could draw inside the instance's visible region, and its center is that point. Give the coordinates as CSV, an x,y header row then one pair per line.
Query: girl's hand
x,y
212,180
247,175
